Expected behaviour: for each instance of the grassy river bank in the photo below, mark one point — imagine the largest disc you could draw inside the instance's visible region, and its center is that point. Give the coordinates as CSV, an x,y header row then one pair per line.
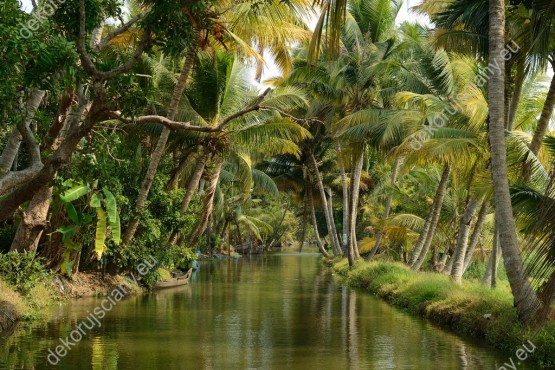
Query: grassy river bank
x,y
470,309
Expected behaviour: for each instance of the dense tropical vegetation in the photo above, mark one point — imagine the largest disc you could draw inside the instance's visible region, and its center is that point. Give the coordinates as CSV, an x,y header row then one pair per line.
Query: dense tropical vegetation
x,y
140,128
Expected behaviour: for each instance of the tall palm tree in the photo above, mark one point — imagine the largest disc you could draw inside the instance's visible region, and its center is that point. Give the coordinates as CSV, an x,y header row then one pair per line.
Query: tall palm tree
x,y
524,296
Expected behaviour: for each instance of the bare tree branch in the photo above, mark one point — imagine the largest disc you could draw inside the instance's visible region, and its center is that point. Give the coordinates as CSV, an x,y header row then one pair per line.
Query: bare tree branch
x,y
254,107
172,125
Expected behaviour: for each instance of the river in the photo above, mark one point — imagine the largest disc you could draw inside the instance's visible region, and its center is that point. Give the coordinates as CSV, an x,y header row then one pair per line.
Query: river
x,y
279,311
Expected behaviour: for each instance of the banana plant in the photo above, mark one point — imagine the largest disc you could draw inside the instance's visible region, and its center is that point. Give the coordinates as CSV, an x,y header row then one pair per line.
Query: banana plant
x,y
84,203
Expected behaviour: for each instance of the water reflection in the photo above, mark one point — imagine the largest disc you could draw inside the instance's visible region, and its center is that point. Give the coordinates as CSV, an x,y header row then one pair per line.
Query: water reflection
x,y
263,312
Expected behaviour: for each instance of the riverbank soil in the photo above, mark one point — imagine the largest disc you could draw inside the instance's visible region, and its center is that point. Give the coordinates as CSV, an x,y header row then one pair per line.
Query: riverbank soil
x,y
470,309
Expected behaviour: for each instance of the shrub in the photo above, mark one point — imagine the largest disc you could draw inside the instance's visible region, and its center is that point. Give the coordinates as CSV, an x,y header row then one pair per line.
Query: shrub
x,y
22,270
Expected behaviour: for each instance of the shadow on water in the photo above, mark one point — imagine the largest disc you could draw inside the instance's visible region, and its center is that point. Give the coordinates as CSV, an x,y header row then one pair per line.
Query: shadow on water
x,y
277,311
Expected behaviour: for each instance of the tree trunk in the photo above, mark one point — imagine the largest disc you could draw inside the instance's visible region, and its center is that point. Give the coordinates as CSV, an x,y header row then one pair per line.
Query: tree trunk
x,y
33,222
475,238
490,276
462,240
160,147
379,236
208,204
332,216
525,298
515,101
545,118
315,226
14,141
305,224
355,191
318,180
191,188
345,195
434,218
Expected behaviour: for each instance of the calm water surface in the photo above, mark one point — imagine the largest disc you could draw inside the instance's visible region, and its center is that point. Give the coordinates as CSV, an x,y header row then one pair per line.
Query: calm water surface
x,y
282,311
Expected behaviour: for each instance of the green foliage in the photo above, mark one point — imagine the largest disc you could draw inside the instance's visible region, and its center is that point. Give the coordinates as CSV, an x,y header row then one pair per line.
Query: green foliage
x,y
91,203
23,271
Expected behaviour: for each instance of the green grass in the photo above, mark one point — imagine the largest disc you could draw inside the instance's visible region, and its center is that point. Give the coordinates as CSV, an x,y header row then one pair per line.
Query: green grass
x,y
461,308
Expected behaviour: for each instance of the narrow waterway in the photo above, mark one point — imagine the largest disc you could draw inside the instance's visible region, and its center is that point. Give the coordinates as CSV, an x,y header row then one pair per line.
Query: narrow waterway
x,y
281,311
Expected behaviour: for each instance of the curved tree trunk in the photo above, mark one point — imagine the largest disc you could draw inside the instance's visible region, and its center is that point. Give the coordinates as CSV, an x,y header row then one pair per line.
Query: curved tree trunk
x,y
315,226
434,217
191,188
313,167
332,216
462,240
353,207
304,224
160,147
526,301
475,238
14,141
208,204
379,236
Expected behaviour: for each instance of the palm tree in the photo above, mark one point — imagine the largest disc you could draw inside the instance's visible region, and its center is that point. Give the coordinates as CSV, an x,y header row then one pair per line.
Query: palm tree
x,y
525,298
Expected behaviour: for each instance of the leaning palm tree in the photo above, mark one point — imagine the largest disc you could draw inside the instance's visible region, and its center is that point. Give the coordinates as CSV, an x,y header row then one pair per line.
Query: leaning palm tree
x,y
245,123
524,296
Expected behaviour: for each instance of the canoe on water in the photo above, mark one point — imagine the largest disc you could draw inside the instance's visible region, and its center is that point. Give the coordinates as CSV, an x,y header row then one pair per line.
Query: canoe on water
x,y
176,281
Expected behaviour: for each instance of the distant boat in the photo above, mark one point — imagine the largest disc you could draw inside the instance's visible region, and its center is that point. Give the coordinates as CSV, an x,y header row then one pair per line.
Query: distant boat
x,y
176,281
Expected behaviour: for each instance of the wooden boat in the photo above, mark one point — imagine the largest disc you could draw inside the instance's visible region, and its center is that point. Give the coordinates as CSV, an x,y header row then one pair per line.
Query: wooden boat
x,y
176,281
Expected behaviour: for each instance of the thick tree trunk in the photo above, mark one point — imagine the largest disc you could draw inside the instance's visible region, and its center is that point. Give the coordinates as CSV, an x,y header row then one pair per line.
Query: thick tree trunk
x,y
345,197
33,222
525,298
191,188
208,204
434,217
313,167
462,240
387,209
545,118
160,148
353,207
475,238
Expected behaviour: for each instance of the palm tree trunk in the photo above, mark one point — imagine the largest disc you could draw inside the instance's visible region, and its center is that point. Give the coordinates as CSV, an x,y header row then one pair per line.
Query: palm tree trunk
x,y
191,188
490,276
434,217
332,217
525,297
355,191
160,147
545,117
208,204
475,235
313,167
315,226
462,240
305,224
515,100
379,236
345,194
